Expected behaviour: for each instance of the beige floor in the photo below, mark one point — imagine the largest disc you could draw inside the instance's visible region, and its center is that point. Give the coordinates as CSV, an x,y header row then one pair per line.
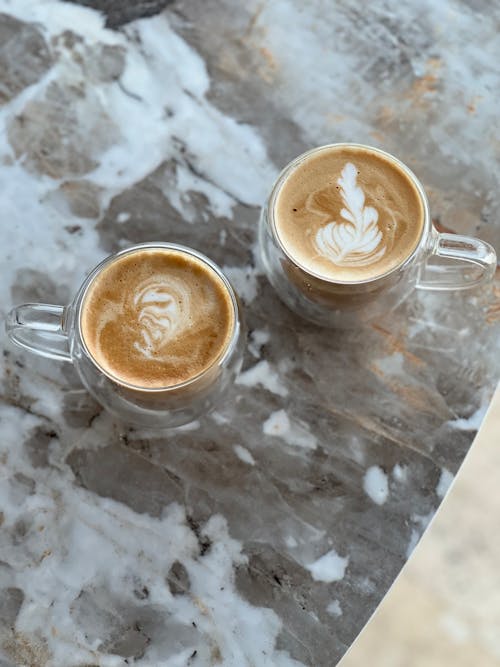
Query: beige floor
x,y
444,609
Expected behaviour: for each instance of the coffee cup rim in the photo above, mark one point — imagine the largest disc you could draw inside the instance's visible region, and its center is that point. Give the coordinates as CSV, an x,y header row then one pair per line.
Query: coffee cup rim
x,y
271,204
219,361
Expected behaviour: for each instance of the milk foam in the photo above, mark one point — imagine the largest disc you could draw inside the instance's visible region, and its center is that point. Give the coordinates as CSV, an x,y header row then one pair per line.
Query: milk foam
x,y
348,213
155,318
356,241
162,305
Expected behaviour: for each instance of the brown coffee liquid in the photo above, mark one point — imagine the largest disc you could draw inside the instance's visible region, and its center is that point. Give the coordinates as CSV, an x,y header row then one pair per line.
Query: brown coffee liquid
x,y
348,213
154,318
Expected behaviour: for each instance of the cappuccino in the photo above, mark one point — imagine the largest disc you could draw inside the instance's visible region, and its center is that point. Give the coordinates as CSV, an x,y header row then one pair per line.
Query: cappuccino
x,y
348,214
154,318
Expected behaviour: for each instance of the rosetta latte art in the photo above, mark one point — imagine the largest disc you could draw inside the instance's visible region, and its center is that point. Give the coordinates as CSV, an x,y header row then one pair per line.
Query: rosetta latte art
x,y
355,242
162,310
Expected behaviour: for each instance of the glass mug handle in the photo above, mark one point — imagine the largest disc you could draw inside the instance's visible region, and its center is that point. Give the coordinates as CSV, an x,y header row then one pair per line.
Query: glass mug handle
x,y
474,263
39,327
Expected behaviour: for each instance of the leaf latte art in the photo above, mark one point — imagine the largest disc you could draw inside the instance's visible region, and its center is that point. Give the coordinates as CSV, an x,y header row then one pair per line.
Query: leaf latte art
x,y
162,306
347,213
356,241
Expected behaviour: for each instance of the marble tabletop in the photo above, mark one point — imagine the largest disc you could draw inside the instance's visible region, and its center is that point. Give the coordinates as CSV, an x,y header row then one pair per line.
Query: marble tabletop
x,y
266,533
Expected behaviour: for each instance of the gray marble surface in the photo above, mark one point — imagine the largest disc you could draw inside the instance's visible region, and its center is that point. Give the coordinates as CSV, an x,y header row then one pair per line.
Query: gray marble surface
x,y
266,533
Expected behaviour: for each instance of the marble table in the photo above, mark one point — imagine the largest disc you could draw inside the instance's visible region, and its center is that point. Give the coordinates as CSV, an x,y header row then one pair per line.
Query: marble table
x,y
266,533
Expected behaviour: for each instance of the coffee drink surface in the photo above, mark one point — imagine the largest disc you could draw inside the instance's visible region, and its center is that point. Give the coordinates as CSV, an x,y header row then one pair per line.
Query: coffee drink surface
x,y
157,317
348,214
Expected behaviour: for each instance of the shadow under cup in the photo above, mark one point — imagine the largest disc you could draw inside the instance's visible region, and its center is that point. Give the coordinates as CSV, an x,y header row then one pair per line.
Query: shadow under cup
x,y
348,304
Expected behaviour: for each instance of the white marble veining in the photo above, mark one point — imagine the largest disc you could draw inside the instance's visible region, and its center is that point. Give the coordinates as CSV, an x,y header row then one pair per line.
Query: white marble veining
x,y
334,608
376,485
263,375
445,481
292,432
330,567
79,545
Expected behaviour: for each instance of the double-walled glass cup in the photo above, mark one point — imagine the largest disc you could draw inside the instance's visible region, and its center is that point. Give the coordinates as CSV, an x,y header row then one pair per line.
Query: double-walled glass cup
x,y
438,262
56,332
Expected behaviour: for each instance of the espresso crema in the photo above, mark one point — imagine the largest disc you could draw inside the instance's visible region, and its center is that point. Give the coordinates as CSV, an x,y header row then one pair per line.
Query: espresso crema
x,y
157,317
347,213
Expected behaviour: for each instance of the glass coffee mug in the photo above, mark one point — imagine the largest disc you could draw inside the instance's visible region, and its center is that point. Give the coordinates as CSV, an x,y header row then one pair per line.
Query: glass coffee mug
x,y
155,333
346,235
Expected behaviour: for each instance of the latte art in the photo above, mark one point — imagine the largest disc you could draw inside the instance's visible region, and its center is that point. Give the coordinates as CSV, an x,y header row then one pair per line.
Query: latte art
x,y
154,318
162,311
347,213
356,241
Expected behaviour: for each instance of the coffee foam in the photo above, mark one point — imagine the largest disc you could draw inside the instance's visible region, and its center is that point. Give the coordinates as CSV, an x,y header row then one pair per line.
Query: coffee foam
x,y
348,213
163,306
157,317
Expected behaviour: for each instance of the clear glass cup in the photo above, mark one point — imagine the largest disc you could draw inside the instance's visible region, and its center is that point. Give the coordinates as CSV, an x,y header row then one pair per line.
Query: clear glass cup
x,y
439,262
55,332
